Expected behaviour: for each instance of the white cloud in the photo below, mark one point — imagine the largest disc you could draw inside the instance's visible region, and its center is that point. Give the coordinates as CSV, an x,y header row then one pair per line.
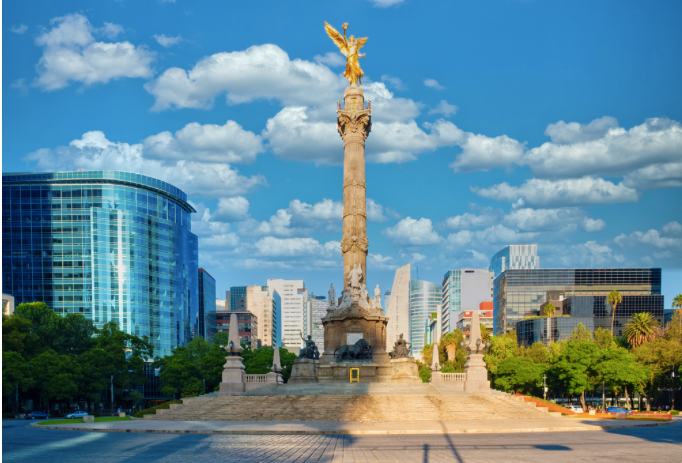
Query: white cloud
x,y
563,133
527,219
111,31
232,209
331,58
445,109
166,41
570,192
294,247
433,83
672,228
480,152
226,240
20,29
592,225
616,152
211,143
657,176
497,234
94,152
386,3
259,72
413,232
469,220
375,211
19,85
651,238
379,262
394,82
72,54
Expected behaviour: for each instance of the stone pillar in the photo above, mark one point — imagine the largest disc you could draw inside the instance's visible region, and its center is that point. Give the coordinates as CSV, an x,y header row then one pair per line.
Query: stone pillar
x,y
354,124
233,374
475,370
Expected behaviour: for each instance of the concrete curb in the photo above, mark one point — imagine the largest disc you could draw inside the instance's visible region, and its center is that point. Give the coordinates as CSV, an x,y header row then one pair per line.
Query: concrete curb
x,y
357,432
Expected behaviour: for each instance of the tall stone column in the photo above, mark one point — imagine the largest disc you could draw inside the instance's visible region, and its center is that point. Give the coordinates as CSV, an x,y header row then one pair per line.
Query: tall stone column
x,y
354,124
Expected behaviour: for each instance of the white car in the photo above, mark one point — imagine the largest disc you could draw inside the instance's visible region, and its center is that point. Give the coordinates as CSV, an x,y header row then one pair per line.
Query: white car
x,y
78,414
575,408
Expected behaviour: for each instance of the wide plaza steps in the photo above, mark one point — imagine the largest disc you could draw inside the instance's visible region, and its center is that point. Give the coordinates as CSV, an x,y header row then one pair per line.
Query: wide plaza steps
x,y
352,402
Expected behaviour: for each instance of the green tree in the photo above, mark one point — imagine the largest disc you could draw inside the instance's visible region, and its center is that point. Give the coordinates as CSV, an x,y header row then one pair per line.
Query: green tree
x,y
619,369
16,373
538,353
574,368
673,330
519,374
614,298
17,337
549,310
450,342
501,347
603,338
221,339
580,333
677,301
70,334
659,356
640,328
259,361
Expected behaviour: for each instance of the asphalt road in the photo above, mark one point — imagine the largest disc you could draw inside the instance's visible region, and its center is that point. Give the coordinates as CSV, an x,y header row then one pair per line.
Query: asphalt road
x,y
22,443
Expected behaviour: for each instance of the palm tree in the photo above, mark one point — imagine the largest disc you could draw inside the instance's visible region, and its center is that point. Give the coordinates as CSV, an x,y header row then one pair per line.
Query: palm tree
x,y
549,310
614,298
640,329
677,302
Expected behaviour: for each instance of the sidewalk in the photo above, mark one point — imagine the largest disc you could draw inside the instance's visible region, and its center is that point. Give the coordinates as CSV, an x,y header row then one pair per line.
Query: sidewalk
x,y
336,427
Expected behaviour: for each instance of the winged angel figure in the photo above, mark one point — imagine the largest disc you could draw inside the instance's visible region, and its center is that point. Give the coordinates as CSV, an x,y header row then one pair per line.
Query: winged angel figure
x,y
349,48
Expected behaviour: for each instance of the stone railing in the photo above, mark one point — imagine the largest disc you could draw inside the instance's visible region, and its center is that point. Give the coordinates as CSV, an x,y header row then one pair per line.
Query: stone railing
x,y
256,378
453,377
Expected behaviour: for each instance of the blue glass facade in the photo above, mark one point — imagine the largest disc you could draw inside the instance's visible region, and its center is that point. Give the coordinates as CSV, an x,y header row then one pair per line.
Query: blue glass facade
x,y
114,246
425,299
206,318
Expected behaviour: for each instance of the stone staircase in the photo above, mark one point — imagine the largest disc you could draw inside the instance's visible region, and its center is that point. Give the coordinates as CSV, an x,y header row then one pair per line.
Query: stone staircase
x,y
352,402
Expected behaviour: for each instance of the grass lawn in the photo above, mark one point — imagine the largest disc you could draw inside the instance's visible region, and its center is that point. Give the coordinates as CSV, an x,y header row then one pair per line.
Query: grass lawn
x,y
80,420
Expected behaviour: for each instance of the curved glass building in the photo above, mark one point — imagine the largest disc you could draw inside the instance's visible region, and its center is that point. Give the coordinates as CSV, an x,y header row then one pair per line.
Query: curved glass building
x,y
425,299
111,245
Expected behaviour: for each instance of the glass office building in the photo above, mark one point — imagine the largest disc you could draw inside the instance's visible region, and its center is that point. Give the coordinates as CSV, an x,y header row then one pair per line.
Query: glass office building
x,y
206,318
463,289
515,256
425,299
111,245
518,294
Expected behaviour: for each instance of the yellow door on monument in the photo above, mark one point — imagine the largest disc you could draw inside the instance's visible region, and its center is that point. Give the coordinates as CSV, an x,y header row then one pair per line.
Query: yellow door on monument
x,y
354,375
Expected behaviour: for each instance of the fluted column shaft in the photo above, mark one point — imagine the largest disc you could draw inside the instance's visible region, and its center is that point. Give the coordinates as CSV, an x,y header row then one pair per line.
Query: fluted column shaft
x,y
354,124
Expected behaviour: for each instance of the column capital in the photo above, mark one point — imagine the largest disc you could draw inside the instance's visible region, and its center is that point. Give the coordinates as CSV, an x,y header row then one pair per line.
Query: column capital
x,y
354,124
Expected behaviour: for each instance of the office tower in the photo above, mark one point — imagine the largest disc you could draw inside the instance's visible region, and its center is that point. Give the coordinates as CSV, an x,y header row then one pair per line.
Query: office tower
x,y
207,307
425,299
398,308
294,297
463,289
485,317
318,310
113,246
521,294
262,302
248,326
524,256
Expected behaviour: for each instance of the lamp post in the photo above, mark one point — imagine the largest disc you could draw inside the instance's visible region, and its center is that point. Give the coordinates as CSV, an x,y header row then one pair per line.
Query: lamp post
x,y
544,385
672,396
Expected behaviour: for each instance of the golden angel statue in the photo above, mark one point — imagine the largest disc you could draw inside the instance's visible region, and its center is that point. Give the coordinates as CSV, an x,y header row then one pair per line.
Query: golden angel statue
x,y
349,49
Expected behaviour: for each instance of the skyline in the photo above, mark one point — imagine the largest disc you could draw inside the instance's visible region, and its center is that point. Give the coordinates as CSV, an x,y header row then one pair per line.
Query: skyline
x,y
495,139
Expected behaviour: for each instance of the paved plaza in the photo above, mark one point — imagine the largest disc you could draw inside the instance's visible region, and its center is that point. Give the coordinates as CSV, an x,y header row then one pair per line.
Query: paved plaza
x,y
23,443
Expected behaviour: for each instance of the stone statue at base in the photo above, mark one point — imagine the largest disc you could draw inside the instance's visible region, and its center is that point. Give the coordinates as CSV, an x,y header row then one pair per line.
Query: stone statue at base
x,y
401,349
332,297
361,350
310,350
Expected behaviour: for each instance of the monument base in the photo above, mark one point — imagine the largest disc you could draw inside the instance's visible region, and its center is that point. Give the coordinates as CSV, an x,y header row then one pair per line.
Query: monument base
x,y
304,371
233,377
476,375
405,371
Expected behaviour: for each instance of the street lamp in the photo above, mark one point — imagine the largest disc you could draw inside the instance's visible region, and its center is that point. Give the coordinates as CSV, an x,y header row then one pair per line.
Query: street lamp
x,y
544,385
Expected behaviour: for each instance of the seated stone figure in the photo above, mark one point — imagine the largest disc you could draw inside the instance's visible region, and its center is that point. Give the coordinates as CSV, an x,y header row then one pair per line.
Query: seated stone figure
x,y
310,350
401,349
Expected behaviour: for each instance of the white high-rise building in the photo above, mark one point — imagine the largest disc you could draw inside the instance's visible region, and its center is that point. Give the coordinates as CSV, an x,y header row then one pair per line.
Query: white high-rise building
x,y
295,316
515,256
398,308
463,289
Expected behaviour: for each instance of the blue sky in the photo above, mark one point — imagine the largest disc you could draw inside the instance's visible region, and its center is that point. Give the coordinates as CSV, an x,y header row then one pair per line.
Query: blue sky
x,y
494,123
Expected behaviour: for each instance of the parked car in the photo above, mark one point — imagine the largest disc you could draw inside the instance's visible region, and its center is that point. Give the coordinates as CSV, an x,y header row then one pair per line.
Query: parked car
x,y
36,415
613,410
78,414
575,408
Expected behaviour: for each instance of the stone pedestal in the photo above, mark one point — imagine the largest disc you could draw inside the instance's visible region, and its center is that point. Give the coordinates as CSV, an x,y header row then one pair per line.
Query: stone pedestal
x,y
405,371
304,371
233,377
476,375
